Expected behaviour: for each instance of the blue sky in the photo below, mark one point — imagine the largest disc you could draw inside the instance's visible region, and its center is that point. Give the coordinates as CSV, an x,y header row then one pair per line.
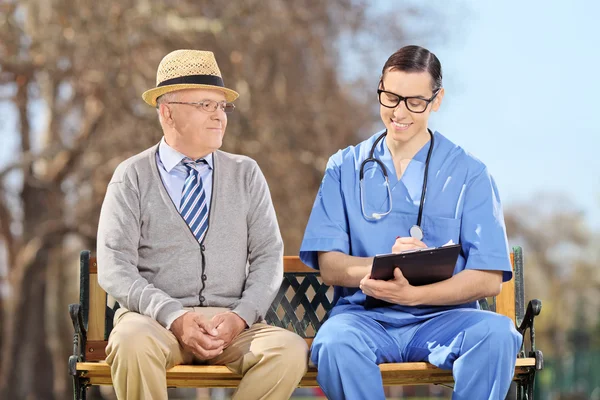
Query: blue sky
x,y
522,88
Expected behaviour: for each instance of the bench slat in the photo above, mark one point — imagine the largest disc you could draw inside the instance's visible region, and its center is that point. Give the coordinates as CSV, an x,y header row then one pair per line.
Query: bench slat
x,y
96,316
292,264
505,301
220,376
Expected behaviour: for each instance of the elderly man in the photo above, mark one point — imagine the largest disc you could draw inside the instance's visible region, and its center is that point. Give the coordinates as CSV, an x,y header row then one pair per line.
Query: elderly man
x,y
188,244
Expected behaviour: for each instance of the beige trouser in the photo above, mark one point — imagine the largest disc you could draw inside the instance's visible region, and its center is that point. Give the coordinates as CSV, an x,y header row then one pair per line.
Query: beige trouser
x,y
140,350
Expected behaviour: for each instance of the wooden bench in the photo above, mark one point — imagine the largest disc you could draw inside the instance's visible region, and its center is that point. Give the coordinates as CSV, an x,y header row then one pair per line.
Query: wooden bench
x,y
301,305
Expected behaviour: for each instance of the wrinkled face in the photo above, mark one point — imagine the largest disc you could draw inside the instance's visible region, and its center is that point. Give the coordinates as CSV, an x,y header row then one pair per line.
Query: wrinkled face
x,y
193,131
403,124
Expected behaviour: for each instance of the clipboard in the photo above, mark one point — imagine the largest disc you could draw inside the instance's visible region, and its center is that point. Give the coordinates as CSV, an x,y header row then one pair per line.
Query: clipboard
x,y
419,267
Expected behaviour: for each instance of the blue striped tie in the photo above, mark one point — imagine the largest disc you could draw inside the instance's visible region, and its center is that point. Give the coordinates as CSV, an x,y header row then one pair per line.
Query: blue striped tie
x,y
193,207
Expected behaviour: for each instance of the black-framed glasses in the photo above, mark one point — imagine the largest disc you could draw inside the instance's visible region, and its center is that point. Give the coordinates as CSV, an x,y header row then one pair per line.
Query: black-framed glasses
x,y
415,104
208,105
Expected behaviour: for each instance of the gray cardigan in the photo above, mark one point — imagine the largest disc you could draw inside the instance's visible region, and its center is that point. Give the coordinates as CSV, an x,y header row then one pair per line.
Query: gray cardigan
x,y
151,263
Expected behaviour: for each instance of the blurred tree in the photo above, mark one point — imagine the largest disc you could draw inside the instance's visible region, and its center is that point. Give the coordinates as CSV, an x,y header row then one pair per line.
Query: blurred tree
x,y
596,332
560,266
72,72
561,269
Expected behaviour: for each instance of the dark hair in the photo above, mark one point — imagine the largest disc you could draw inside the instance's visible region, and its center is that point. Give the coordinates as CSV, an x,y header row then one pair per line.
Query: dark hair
x,y
415,59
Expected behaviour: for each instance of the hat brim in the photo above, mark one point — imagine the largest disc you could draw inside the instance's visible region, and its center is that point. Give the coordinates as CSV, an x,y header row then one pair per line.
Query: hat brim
x,y
151,95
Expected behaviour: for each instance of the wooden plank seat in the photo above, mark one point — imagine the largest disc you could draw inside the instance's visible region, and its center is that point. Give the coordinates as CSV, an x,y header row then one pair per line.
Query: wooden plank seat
x,y
301,305
197,376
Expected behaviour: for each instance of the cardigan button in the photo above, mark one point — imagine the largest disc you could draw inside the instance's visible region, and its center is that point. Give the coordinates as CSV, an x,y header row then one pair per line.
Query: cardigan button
x,y
202,298
204,277
202,247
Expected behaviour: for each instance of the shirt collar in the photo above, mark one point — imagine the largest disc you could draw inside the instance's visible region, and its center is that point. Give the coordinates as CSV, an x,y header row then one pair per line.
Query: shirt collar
x,y
171,157
421,155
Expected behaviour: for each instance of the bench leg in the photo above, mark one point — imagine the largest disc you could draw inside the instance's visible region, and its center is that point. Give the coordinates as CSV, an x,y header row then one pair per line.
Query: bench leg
x,y
525,388
530,388
519,391
79,388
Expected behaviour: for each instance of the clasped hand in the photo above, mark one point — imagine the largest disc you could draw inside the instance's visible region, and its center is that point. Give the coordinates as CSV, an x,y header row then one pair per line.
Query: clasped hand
x,y
396,290
205,338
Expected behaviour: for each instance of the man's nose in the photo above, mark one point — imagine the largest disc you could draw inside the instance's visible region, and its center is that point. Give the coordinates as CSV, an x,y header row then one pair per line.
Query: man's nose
x,y
401,110
218,114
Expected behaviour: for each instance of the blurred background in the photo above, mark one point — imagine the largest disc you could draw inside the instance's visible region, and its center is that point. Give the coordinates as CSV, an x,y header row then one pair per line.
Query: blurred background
x,y
521,94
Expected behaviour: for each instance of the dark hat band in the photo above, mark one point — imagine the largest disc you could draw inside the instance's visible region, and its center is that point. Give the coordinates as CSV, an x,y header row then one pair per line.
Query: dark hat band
x,y
212,80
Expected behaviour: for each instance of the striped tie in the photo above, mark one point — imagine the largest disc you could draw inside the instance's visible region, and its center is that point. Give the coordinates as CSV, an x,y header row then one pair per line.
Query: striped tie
x,y
193,207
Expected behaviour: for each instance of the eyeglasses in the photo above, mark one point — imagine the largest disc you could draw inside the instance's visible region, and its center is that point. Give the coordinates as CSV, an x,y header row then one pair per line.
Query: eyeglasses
x,y
208,105
413,104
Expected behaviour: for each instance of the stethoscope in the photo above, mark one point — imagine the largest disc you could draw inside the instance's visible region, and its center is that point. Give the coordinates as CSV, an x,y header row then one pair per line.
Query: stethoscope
x,y
415,231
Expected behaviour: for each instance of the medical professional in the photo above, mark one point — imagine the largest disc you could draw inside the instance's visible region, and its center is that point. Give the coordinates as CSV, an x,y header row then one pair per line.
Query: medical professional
x,y
407,187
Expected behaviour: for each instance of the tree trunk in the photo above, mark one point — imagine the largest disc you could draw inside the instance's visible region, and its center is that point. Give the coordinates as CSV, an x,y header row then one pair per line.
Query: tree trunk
x,y
27,371
27,364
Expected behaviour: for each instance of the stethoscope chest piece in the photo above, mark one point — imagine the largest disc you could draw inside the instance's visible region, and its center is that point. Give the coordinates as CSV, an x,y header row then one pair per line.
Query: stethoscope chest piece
x,y
416,232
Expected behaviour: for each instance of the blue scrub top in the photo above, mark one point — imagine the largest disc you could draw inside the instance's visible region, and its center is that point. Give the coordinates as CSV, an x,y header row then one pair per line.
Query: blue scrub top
x,y
462,204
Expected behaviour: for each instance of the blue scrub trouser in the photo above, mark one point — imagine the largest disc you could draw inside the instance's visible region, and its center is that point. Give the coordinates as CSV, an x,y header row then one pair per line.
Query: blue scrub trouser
x,y
479,346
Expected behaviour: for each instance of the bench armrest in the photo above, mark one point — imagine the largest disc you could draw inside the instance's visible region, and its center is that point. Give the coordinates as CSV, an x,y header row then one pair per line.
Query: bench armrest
x,y
79,337
533,309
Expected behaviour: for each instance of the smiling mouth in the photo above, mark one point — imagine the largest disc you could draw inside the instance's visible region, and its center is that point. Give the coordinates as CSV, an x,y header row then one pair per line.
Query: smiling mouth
x,y
398,125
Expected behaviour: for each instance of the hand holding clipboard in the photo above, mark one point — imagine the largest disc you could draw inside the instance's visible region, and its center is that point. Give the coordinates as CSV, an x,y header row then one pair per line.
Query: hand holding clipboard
x,y
419,266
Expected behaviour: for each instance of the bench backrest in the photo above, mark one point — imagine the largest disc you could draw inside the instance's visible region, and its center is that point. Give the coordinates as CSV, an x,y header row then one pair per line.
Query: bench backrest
x,y
301,305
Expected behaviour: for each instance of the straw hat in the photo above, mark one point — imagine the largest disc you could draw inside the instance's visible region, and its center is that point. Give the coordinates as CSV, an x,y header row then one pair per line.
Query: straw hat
x,y
187,69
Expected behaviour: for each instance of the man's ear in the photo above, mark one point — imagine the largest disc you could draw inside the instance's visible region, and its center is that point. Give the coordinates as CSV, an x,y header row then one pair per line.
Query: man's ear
x,y
165,113
437,102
